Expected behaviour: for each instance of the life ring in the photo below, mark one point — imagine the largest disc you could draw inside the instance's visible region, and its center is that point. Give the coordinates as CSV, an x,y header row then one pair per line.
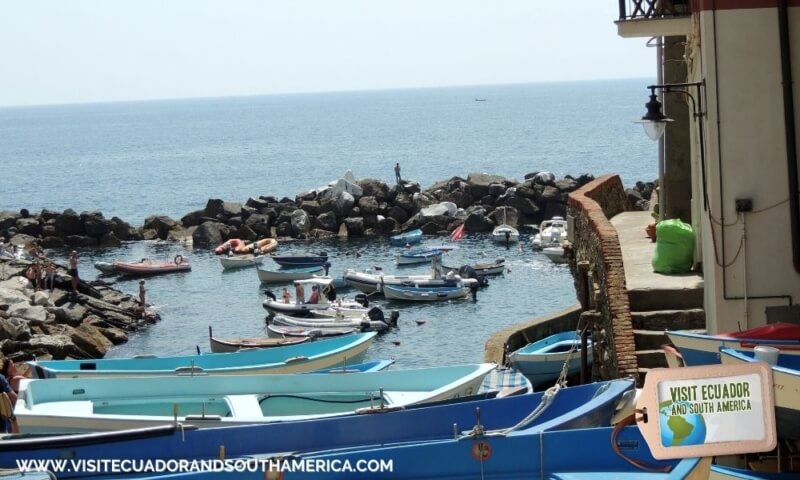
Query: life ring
x,y
178,259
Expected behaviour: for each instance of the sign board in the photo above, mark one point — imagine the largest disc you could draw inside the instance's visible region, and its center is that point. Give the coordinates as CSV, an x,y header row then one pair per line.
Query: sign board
x,y
708,410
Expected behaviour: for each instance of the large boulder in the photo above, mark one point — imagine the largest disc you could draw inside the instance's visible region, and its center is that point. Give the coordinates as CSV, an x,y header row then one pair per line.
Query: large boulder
x,y
327,221
162,224
122,229
338,202
301,223
34,314
29,226
373,187
13,296
447,209
210,234
355,226
193,219
422,200
479,183
398,214
386,226
221,210
91,340
69,223
310,206
8,219
368,205
566,185
259,223
544,178
476,221
14,329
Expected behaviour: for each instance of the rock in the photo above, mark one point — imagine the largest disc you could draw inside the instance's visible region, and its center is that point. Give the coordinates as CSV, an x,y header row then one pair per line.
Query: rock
x,y
355,226
69,223
10,297
257,203
458,197
525,206
479,183
81,241
115,335
21,239
404,201
42,299
439,209
283,229
29,226
507,215
368,205
551,194
372,187
52,242
149,234
566,185
477,222
497,189
340,203
386,226
216,208
162,224
192,219
71,313
109,240
584,179
398,214
422,200
410,187
14,329
122,229
8,219
311,207
544,178
301,223
34,314
58,345
90,340
327,221
259,223
94,225
210,234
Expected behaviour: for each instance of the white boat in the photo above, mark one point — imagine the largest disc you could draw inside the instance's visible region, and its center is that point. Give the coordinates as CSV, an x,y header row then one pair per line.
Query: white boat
x,y
505,234
555,254
371,282
286,274
326,304
542,361
482,268
84,405
282,331
551,233
372,321
240,261
426,294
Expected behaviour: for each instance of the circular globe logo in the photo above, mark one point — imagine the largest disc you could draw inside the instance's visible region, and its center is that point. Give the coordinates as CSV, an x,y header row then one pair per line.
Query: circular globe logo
x,y
679,428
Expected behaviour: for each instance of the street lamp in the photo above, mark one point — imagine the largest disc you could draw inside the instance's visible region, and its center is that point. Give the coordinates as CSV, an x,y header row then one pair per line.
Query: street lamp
x,y
655,122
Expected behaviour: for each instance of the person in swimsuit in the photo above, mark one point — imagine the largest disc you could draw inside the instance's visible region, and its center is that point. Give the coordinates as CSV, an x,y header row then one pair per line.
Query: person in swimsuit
x,y
73,271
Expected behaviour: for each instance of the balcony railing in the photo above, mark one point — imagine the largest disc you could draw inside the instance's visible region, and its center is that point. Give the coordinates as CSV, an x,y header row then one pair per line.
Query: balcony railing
x,y
653,9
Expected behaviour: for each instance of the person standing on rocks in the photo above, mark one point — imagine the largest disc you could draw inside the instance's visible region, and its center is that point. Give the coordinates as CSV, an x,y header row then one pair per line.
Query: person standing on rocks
x,y
142,294
397,173
73,271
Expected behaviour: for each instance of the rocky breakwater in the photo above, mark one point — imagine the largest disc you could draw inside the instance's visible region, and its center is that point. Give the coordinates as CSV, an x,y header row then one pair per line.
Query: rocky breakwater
x,y
350,207
43,323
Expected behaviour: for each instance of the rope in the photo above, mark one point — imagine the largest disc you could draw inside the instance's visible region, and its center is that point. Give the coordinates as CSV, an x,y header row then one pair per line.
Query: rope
x,y
313,399
630,420
547,400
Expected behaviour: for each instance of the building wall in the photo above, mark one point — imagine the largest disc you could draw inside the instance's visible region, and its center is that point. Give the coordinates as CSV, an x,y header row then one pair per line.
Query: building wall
x,y
736,51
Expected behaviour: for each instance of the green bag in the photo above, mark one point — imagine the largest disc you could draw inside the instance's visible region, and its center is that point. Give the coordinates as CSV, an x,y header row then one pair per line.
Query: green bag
x,y
674,247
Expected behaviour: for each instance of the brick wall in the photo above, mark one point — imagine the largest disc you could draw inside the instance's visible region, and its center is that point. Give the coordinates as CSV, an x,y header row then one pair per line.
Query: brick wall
x,y
596,263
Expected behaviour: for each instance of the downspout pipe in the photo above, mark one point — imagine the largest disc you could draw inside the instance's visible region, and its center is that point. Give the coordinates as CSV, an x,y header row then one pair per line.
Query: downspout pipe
x,y
791,136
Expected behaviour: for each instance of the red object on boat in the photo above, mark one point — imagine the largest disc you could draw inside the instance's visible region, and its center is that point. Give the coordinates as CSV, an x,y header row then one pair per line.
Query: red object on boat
x,y
235,244
458,233
773,331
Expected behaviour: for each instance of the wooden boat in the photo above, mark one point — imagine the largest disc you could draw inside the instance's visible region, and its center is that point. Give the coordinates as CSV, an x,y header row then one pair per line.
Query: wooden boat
x,y
73,405
151,267
301,260
542,361
280,331
285,275
555,254
505,234
482,268
406,238
426,294
592,453
240,261
234,244
287,359
221,345
580,406
265,245
701,349
786,377
551,233
418,255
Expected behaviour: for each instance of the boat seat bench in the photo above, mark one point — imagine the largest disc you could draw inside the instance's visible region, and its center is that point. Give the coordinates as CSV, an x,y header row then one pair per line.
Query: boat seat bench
x,y
244,406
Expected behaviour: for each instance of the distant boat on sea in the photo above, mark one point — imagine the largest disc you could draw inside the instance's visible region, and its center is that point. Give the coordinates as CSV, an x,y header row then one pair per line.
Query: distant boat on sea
x,y
480,99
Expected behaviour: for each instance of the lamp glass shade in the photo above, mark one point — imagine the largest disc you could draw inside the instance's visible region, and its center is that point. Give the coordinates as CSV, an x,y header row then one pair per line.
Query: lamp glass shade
x,y
654,130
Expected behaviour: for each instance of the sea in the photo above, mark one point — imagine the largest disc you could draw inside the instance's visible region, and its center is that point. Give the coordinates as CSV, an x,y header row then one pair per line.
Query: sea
x,y
168,157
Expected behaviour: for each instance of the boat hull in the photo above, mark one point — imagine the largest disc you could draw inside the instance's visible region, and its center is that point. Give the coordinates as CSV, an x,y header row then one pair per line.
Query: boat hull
x,y
288,359
408,238
86,405
243,261
300,261
697,349
288,275
147,268
434,294
280,331
581,406
543,361
555,254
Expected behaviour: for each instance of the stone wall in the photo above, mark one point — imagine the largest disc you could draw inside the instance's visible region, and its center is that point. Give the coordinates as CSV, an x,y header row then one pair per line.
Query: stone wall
x,y
596,264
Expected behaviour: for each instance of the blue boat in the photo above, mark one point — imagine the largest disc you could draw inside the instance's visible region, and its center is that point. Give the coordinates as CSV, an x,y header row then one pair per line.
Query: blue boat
x,y
301,260
418,255
406,238
786,377
542,361
581,406
699,349
303,357
593,454
425,294
719,472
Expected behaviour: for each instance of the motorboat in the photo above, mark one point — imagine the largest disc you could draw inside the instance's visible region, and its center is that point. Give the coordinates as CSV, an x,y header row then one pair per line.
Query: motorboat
x,y
505,234
326,300
222,345
230,262
555,254
418,255
301,260
551,233
426,293
285,275
152,267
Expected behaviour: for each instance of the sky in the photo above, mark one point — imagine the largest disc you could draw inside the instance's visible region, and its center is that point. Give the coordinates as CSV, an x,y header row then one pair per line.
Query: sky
x,y
75,51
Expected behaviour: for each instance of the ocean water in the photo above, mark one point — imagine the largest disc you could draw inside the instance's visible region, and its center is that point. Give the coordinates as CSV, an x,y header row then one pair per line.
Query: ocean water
x,y
169,157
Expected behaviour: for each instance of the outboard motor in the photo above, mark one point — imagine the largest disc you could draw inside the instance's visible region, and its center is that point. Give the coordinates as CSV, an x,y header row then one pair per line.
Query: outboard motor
x,y
362,299
393,318
270,295
466,271
376,314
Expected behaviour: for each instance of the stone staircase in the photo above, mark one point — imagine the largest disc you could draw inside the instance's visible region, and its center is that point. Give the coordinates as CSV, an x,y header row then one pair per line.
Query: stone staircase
x,y
655,310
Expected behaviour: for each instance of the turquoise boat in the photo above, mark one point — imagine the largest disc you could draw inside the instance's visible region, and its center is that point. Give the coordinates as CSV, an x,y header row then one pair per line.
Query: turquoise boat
x,y
542,361
303,357
406,238
75,405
